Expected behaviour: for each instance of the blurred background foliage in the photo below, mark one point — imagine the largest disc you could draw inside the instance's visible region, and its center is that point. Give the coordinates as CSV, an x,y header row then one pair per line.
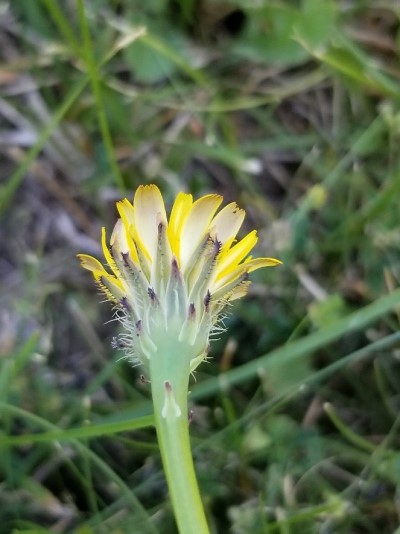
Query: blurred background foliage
x,y
291,108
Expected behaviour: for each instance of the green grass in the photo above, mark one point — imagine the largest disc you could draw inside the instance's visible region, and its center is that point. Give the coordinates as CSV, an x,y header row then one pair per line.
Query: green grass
x,y
291,109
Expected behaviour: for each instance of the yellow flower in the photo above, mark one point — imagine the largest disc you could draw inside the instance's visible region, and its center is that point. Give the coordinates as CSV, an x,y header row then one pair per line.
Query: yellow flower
x,y
173,277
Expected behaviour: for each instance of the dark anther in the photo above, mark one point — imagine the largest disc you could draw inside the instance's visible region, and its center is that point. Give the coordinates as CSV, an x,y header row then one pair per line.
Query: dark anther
x,y
168,386
125,304
139,325
125,256
207,300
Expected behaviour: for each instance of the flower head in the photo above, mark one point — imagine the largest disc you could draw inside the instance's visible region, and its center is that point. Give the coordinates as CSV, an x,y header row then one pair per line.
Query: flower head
x,y
173,276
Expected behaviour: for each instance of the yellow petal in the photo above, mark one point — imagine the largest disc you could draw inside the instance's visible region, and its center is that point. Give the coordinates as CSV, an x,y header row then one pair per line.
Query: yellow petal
x,y
257,263
239,291
180,210
229,260
197,225
122,242
227,223
248,266
113,288
149,210
126,211
109,259
91,264
118,239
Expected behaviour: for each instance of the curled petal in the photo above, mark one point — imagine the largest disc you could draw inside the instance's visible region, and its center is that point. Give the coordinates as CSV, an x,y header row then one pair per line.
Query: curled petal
x,y
91,264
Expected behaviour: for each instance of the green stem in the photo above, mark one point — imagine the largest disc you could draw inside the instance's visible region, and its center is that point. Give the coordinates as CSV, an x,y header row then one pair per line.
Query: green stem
x,y
169,373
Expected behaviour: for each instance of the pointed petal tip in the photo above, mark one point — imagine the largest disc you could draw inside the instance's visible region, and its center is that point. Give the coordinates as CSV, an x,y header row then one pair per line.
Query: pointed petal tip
x,y
258,263
90,263
275,261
